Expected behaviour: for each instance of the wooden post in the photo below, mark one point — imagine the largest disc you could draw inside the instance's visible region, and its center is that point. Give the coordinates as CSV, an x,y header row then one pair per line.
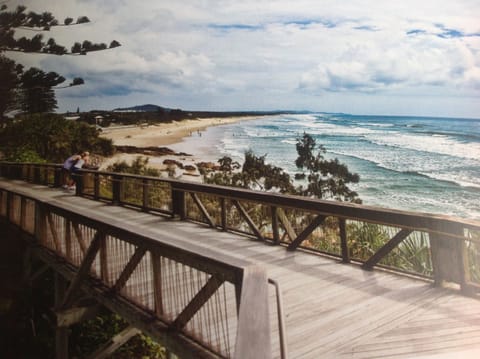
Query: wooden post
x,y
448,256
57,177
36,175
253,333
116,189
223,205
96,186
178,205
276,234
343,240
87,182
79,182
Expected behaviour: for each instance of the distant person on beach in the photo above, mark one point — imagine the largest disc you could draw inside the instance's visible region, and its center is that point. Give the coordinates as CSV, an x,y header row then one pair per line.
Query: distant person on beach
x,y
71,166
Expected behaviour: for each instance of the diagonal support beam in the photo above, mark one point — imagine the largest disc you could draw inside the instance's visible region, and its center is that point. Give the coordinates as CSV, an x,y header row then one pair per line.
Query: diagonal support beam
x,y
83,270
129,268
69,317
306,232
81,241
113,344
56,240
196,303
386,248
248,219
202,208
286,224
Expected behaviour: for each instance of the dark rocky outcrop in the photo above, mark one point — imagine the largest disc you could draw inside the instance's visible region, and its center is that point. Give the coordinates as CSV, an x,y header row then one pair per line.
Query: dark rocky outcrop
x,y
150,151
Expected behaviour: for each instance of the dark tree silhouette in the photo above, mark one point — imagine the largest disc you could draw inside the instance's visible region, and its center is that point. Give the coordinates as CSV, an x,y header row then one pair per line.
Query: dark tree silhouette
x,y
325,178
33,91
36,93
9,75
20,19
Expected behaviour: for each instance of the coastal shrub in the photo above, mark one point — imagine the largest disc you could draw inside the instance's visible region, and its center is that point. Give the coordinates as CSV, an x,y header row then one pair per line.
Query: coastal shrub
x,y
51,138
23,154
90,335
413,254
139,166
325,178
159,193
326,238
365,239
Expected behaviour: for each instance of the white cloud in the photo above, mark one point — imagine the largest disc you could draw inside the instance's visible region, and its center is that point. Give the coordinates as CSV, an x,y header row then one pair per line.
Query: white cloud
x,y
270,54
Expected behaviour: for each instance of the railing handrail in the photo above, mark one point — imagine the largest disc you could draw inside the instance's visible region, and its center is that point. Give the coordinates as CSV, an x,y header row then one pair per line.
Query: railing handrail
x,y
135,190
427,222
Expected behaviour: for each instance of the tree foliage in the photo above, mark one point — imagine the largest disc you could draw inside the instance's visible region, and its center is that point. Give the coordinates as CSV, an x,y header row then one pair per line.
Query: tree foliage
x,y
36,93
327,179
33,91
21,19
9,75
255,174
139,166
51,138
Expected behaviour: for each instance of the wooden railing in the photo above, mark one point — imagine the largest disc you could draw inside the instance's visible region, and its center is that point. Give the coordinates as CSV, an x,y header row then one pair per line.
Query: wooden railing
x,y
195,303
436,247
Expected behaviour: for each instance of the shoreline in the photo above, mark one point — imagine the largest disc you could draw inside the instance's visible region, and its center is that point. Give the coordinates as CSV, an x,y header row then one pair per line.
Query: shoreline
x,y
161,135
167,133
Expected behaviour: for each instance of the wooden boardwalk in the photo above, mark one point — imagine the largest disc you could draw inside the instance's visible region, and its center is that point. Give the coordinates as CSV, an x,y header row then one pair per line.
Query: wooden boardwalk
x,y
332,310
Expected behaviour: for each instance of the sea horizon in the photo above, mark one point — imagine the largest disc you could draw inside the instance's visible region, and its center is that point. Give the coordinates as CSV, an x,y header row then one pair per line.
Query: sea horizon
x,y
414,163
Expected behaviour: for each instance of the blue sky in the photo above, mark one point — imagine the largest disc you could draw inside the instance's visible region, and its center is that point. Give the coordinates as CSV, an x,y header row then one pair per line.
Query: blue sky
x,y
360,57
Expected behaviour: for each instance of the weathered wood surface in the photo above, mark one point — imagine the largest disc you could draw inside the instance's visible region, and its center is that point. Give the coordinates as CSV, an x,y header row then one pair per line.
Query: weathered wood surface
x,y
333,310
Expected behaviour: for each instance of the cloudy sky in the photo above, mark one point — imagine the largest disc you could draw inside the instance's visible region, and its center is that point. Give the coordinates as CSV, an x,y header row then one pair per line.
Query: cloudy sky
x,y
406,57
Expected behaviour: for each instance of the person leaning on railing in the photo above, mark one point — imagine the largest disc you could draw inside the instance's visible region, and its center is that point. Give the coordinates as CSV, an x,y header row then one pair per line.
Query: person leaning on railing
x,y
71,166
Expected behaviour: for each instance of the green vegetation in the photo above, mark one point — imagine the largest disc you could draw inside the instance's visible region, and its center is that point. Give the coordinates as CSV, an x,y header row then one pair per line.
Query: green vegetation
x,y
88,336
33,90
49,137
325,178
139,166
37,135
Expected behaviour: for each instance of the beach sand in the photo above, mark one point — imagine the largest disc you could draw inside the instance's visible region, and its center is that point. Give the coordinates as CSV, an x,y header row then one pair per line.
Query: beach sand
x,y
163,135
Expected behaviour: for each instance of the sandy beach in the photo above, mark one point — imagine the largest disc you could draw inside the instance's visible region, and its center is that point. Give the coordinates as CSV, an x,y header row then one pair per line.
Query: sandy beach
x,y
163,135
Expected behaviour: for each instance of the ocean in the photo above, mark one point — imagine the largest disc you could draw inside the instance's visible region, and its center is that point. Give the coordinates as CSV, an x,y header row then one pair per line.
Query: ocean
x,y
421,164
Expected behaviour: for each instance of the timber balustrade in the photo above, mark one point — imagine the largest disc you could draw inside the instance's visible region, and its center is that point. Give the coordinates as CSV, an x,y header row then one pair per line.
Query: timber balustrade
x,y
196,305
441,248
